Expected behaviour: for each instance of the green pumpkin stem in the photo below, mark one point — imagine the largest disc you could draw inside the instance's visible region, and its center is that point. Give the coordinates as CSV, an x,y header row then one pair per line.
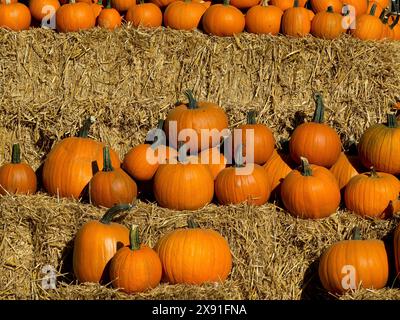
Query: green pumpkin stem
x,y
373,173
319,109
356,234
112,212
16,154
182,151
330,9
107,166
239,157
192,224
192,101
251,117
100,2
305,167
226,2
373,10
296,3
134,243
391,120
108,4
84,130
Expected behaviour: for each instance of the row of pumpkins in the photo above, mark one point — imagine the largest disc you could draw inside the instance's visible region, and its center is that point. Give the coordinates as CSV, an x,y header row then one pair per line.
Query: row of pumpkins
x,y
310,179
374,20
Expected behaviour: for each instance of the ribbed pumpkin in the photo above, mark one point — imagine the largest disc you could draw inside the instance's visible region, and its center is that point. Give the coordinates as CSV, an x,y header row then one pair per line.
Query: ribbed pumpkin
x,y
261,142
184,15
264,19
379,146
242,183
214,159
323,5
296,21
223,20
96,243
17,177
194,255
198,116
122,5
72,17
352,264
344,169
396,249
110,187
310,192
286,4
14,15
109,17
277,170
144,14
327,25
184,185
68,167
368,27
36,8
315,140
244,4
369,194
360,6
135,268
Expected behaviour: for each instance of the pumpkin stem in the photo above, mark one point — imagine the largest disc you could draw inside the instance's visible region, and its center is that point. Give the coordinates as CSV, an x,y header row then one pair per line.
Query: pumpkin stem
x,y
192,101
251,117
319,110
182,151
134,237
16,154
107,166
226,2
71,1
112,212
373,173
108,4
373,10
330,9
192,224
305,167
391,121
84,130
239,157
100,2
296,3
356,234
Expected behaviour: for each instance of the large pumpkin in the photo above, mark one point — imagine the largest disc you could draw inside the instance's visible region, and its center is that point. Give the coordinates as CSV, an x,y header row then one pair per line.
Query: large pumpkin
x,y
264,19
379,146
68,167
310,192
38,10
96,243
327,24
277,170
14,15
368,26
72,17
184,15
352,264
323,5
360,6
194,256
145,15
296,21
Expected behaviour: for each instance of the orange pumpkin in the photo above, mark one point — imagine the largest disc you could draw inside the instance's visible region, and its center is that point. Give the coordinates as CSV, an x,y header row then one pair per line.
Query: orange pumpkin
x,y
145,15
344,169
296,21
244,4
352,264
322,5
38,10
378,10
97,8
382,3
96,243
310,192
184,15
214,159
109,18
368,27
327,25
264,19
360,6
277,170
15,16
286,4
223,20
162,3
17,177
135,268
122,5
72,17
194,256
369,194
68,167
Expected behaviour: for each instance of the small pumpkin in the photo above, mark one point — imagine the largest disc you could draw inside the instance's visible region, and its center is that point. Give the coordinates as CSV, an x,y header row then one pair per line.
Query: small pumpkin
x,y
75,16
122,5
135,268
368,27
109,18
184,15
296,21
14,15
40,8
214,159
277,170
310,192
327,25
379,144
369,194
352,264
144,15
264,19
223,20
96,243
194,255
17,177
315,140
286,4
323,5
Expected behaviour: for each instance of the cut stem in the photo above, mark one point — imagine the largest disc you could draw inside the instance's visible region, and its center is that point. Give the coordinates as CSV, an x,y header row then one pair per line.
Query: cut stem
x,y
305,167
84,130
108,4
107,166
134,237
112,212
192,101
330,9
356,234
251,117
391,120
192,224
319,109
16,154
373,173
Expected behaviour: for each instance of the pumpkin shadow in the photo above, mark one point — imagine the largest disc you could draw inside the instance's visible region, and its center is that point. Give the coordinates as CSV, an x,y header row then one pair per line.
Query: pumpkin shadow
x,y
39,177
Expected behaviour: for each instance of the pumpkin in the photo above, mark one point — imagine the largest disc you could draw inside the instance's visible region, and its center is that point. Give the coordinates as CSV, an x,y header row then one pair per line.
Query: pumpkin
x,y
190,122
242,183
183,185
286,4
327,25
17,177
344,169
323,5
75,16
223,20
277,170
296,21
369,194
109,17
145,15
14,15
368,27
360,6
68,167
184,15
110,187
379,146
194,255
96,243
257,140
310,191
97,8
214,159
396,248
262,19
378,10
135,268
122,5
351,264
38,10
244,4
315,140
143,160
